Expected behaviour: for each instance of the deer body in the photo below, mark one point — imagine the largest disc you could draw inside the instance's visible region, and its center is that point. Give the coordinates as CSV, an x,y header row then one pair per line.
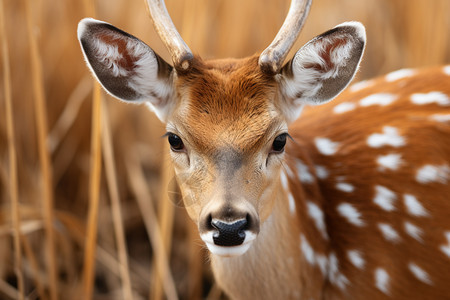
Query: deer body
x,y
392,240
348,202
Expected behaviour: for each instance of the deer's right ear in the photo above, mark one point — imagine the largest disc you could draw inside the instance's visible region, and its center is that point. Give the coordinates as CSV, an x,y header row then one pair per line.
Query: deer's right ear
x,y
125,66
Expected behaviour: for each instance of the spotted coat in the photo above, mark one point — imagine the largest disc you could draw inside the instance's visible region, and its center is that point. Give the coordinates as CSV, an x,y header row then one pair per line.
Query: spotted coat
x,y
378,169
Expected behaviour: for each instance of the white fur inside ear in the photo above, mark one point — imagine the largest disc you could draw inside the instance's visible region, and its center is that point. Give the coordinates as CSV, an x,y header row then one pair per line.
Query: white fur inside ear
x,y
311,69
145,74
109,56
142,76
321,60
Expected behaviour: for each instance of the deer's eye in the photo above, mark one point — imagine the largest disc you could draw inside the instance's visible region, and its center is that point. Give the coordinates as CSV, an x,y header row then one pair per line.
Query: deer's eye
x,y
278,143
176,144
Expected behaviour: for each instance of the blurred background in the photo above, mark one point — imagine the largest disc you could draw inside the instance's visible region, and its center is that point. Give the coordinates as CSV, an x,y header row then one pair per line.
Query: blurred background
x,y
89,207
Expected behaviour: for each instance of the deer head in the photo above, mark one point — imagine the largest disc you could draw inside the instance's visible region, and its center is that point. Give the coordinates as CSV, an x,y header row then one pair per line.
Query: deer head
x,y
227,120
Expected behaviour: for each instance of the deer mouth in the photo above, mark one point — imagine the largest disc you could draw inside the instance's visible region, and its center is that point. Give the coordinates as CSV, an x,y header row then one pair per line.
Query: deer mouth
x,y
231,250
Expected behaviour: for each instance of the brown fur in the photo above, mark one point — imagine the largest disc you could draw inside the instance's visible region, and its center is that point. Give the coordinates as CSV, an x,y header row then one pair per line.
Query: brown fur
x,y
226,95
229,104
299,225
427,142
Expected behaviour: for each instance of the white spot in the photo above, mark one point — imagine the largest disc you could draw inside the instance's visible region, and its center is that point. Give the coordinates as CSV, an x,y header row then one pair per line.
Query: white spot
x,y
322,262
429,98
307,250
388,232
389,161
389,137
291,203
303,172
433,173
382,280
360,85
399,74
344,107
419,273
333,272
413,206
311,257
446,248
446,70
321,172
289,172
285,184
413,231
356,258
284,181
440,118
381,99
345,187
326,146
349,212
317,215
384,198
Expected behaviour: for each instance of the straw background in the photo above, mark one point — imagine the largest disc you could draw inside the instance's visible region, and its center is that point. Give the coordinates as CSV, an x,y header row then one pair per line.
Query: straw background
x,y
88,204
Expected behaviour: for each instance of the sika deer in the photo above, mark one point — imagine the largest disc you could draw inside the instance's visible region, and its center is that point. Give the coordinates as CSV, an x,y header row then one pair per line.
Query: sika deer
x,y
351,201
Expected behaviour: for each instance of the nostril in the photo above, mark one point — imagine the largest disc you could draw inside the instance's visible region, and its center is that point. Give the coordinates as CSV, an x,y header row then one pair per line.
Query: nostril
x,y
209,224
229,234
249,222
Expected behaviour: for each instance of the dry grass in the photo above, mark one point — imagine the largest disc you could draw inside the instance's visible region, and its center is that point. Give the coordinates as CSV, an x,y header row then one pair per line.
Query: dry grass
x,y
89,205
46,171
13,186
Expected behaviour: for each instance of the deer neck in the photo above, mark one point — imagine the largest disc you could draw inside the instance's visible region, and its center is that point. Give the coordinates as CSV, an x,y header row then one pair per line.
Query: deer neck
x,y
272,268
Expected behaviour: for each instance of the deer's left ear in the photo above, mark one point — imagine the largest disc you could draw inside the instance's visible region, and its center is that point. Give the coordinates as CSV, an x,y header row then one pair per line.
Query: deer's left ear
x,y
322,68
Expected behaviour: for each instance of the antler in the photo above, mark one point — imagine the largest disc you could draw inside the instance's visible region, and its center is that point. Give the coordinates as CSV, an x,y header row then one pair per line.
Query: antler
x,y
272,58
181,54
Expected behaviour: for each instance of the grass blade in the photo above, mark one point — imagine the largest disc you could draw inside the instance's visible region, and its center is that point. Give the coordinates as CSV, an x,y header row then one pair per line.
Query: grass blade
x,y
44,155
94,195
13,185
111,179
140,189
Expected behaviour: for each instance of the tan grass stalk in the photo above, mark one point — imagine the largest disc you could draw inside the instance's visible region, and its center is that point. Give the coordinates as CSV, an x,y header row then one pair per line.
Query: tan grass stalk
x,y
77,233
44,156
104,256
112,183
71,110
139,187
13,185
109,260
64,158
25,227
7,289
29,254
94,195
94,182
166,214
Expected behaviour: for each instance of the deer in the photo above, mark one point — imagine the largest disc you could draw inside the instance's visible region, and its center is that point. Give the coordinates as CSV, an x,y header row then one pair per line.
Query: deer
x,y
296,196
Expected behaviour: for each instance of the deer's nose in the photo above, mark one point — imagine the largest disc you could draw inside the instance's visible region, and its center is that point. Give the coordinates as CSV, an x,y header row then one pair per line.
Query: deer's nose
x,y
229,234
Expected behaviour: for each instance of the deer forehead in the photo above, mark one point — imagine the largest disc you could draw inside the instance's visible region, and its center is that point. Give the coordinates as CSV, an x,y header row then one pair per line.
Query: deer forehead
x,y
227,104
